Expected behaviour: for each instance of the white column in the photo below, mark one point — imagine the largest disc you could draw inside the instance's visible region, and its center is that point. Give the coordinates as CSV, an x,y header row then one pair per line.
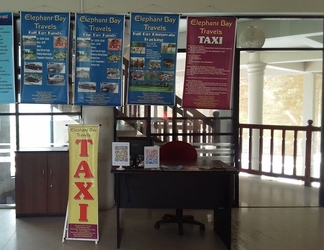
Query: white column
x,y
308,111
255,70
309,98
104,116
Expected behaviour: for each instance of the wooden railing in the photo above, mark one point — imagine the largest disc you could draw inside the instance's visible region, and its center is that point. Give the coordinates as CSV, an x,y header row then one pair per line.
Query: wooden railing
x,y
293,157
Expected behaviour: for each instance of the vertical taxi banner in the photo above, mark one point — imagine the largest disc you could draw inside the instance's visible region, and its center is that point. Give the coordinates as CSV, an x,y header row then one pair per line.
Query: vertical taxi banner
x,y
82,214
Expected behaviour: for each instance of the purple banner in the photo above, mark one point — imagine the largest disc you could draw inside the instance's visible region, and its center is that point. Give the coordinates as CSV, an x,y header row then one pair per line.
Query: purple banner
x,y
209,63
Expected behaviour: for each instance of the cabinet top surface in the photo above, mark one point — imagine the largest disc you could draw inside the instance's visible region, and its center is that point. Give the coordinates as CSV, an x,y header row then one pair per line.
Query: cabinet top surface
x,y
44,149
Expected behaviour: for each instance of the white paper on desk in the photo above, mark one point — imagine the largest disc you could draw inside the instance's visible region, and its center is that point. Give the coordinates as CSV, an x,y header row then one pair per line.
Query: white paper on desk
x,y
172,168
151,157
192,168
120,154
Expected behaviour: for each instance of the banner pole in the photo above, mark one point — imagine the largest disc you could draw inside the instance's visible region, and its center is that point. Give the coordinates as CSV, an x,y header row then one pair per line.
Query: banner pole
x,y
65,223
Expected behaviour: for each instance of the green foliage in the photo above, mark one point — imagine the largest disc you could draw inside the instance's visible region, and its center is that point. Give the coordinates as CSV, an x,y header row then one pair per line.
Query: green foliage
x,y
283,98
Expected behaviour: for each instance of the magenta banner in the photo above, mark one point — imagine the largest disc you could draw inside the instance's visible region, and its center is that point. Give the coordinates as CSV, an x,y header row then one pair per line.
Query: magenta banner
x,y
209,62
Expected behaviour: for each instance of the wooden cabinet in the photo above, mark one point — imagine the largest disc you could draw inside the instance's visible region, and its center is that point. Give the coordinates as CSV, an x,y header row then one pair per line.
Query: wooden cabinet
x,y
41,182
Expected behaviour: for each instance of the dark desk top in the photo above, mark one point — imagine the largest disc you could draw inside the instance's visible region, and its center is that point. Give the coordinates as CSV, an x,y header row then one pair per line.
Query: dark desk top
x,y
201,165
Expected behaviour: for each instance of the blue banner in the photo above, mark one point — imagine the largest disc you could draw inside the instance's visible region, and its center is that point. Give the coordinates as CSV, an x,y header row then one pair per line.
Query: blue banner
x,y
153,56
44,57
7,79
99,59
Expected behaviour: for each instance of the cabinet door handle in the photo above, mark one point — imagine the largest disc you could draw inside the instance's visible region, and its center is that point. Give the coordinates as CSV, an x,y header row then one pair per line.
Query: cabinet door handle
x,y
43,173
50,172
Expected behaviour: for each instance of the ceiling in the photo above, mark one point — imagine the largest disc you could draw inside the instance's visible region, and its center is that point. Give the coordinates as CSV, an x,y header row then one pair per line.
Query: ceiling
x,y
292,46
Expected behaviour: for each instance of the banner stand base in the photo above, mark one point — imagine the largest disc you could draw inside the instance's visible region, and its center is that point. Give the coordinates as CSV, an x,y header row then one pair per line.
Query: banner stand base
x,y
65,230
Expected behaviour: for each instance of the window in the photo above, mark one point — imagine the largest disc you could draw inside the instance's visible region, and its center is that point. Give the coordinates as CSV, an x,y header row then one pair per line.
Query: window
x,y
38,125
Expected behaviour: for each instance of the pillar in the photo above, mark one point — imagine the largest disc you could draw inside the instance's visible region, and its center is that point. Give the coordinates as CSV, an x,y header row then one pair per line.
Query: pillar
x,y
105,117
309,97
308,114
255,70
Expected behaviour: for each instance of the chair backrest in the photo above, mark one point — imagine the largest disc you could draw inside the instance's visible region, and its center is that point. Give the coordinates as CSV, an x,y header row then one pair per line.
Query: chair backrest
x,y
178,151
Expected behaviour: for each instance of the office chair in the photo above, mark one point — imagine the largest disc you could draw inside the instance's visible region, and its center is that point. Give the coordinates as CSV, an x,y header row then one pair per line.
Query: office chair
x,y
178,152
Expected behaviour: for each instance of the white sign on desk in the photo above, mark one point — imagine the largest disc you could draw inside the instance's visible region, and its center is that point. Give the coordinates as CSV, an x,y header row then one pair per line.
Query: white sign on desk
x,y
151,157
120,154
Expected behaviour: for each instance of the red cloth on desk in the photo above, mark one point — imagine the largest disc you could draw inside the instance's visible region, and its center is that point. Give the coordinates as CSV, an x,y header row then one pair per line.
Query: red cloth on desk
x,y
177,151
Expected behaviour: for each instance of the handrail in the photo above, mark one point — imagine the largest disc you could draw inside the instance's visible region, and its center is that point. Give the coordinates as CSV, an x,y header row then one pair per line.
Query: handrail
x,y
301,172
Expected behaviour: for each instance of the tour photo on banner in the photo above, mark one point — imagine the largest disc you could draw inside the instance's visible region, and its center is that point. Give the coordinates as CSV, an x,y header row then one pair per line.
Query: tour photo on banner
x,y
7,76
82,213
153,56
45,57
209,63
99,59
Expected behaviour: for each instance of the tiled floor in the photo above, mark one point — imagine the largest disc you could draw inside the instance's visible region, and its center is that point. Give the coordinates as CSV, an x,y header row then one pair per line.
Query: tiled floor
x,y
272,216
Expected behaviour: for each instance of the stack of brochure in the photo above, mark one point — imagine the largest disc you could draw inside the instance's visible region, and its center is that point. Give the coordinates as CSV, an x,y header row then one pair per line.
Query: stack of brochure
x,y
172,168
216,167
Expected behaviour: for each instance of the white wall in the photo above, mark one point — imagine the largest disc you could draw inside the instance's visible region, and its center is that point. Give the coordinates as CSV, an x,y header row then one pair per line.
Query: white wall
x,y
220,7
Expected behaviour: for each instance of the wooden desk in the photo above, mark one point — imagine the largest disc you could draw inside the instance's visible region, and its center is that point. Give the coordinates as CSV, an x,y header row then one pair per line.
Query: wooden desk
x,y
185,189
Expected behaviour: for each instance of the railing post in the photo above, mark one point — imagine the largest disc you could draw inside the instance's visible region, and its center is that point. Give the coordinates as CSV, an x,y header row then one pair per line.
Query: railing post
x,y
308,153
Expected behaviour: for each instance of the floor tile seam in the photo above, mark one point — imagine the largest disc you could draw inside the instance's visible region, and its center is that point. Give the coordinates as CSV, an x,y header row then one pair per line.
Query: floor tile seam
x,y
14,233
276,207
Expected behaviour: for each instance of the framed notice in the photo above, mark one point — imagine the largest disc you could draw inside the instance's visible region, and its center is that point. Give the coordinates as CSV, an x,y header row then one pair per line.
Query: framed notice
x,y
151,157
120,154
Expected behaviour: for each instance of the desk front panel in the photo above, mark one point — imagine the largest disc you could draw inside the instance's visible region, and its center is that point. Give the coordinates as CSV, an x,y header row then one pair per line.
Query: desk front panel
x,y
187,190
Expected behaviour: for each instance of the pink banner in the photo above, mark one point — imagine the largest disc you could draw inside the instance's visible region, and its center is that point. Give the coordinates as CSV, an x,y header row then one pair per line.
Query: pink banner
x,y
209,62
